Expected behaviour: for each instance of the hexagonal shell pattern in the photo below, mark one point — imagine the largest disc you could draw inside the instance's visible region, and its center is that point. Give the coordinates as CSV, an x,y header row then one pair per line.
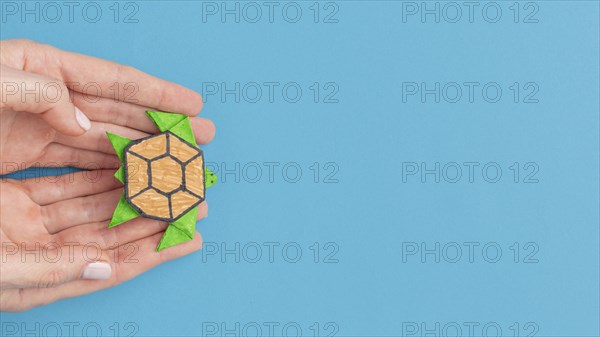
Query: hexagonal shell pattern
x,y
167,174
164,176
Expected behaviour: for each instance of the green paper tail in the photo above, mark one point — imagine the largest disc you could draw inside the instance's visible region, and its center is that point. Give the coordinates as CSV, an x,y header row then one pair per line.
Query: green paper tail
x,y
119,144
120,175
179,231
124,212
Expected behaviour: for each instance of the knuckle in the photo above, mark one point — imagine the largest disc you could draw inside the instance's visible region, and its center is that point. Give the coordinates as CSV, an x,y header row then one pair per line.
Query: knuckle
x,y
52,278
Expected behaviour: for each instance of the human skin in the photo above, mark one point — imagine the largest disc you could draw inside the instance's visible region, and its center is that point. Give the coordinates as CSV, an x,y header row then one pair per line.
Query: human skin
x,y
53,231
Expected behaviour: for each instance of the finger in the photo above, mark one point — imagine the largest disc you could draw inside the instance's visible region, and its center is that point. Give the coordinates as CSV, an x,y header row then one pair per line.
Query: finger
x,y
62,155
108,238
60,265
47,97
77,211
124,268
115,112
48,190
96,139
134,86
134,116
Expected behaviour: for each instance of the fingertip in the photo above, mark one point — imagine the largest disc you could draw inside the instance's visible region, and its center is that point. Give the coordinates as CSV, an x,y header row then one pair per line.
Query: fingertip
x,y
191,102
197,101
204,129
74,126
197,241
202,210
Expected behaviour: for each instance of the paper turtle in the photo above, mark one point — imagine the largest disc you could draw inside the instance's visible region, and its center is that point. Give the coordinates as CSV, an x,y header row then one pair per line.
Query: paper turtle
x,y
164,177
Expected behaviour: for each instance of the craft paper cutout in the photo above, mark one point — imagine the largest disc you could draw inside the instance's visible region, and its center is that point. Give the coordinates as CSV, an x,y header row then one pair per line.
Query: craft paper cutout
x,y
164,177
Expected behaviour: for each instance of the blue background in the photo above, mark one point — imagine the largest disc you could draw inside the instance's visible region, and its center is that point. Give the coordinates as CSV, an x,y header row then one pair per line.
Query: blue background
x,y
363,283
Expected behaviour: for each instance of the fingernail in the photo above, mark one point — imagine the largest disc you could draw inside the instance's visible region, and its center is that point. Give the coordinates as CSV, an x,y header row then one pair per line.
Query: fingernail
x,y
82,119
97,271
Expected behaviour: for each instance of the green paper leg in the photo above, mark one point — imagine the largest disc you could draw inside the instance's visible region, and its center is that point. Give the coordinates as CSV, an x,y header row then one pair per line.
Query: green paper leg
x,y
184,130
173,236
123,212
176,123
179,231
119,143
165,120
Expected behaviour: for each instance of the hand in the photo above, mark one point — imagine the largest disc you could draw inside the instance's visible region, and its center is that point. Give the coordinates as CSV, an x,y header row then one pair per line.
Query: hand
x,y
56,244
43,122
53,230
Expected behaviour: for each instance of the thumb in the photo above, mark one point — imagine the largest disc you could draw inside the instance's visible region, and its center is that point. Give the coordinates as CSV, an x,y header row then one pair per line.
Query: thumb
x,y
48,266
28,92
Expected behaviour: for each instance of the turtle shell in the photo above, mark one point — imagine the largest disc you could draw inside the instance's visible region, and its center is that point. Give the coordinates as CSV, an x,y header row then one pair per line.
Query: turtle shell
x,y
164,176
